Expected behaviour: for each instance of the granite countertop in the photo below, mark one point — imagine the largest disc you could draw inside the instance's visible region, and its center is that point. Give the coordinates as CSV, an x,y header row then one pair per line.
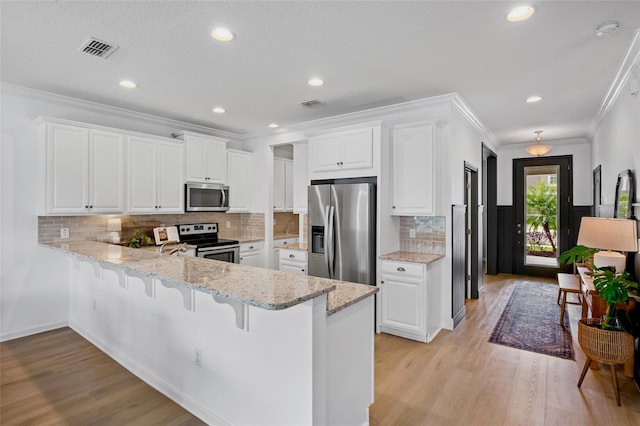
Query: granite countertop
x,y
294,246
347,294
248,239
259,287
410,256
168,247
285,235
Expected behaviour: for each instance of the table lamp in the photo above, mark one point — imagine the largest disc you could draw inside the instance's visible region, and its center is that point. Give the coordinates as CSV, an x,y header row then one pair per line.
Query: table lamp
x,y
611,236
114,226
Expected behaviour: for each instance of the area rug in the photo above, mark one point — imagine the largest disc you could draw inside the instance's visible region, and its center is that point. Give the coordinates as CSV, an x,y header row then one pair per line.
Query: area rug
x,y
530,321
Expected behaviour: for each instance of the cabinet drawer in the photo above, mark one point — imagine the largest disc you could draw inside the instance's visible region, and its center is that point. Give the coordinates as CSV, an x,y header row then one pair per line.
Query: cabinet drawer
x,y
293,255
251,247
404,269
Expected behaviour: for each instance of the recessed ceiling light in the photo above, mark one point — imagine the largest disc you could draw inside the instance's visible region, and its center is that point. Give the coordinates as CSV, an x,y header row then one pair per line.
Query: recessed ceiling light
x,y
533,99
222,34
274,125
520,13
128,84
315,82
219,110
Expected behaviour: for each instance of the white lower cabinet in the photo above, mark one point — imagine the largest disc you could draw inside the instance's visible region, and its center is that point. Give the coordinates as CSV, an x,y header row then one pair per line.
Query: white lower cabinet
x,y
251,253
403,300
276,251
294,261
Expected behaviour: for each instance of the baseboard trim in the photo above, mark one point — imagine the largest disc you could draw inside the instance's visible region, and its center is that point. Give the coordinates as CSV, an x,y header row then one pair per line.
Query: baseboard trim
x,y
33,330
176,395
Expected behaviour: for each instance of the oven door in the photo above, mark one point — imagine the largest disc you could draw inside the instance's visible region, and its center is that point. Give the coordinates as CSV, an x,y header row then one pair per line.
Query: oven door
x,y
229,254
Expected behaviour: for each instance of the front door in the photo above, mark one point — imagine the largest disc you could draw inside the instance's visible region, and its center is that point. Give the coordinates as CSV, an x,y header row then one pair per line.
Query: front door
x,y
542,197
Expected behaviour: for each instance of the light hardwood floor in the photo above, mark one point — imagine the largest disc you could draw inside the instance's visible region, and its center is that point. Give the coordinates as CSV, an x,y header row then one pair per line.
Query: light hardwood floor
x,y
458,379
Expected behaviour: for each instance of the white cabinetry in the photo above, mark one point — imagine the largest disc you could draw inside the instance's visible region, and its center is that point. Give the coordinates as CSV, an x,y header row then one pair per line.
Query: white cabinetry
x,y
282,185
300,177
251,253
276,251
155,176
344,153
239,179
294,261
84,169
205,158
413,169
403,299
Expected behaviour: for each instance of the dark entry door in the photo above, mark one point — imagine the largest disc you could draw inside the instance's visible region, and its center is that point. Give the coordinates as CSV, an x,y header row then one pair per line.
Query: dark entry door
x,y
541,229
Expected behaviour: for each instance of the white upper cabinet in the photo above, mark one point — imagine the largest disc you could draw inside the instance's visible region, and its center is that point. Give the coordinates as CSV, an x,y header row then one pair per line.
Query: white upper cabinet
x,y
347,153
106,172
155,176
84,169
300,177
205,158
239,179
282,185
413,169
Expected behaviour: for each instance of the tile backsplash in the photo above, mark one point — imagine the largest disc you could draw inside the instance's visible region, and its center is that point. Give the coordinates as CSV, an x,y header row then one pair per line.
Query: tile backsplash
x,y
285,223
430,234
95,227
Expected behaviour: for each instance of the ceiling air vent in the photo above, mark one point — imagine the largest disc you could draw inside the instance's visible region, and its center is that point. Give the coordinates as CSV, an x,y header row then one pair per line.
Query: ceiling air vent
x,y
311,104
99,48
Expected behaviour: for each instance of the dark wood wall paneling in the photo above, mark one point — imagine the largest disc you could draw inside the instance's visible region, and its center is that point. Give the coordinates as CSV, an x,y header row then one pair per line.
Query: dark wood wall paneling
x,y
505,239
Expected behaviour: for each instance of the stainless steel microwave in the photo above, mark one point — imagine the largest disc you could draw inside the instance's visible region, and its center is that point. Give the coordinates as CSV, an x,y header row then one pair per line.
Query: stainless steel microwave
x,y
206,197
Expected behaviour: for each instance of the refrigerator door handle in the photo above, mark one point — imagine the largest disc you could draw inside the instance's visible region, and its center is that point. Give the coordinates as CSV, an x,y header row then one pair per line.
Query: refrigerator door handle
x,y
326,241
330,244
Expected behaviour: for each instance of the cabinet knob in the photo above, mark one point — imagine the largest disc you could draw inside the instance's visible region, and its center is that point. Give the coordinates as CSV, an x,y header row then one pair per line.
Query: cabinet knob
x,y
393,207
381,282
86,207
400,269
90,207
292,255
338,163
250,247
341,163
303,270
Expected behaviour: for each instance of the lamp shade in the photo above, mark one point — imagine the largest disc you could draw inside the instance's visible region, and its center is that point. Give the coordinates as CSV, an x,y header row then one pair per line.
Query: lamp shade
x,y
608,234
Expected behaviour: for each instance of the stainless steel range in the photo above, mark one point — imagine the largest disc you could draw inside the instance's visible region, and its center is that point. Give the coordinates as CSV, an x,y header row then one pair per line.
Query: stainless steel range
x,y
209,246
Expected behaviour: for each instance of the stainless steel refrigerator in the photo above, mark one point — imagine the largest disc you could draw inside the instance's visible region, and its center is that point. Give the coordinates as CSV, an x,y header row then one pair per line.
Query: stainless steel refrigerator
x,y
342,226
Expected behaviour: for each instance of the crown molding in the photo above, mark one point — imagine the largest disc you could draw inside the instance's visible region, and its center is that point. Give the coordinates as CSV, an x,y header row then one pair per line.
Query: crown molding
x,y
625,69
68,101
464,109
354,118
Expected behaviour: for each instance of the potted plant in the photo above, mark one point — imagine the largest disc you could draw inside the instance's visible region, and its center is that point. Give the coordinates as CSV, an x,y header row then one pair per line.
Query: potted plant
x,y
614,288
139,239
602,340
576,255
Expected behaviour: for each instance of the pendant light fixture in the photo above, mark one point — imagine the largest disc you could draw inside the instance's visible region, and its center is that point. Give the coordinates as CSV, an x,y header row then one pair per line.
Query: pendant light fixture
x,y
538,149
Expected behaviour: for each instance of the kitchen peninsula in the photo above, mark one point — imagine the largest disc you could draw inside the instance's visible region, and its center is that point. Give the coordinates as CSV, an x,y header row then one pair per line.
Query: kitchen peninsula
x,y
233,344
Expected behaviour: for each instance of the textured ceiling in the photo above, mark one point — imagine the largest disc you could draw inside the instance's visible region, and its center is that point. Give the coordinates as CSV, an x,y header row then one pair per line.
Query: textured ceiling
x,y
369,53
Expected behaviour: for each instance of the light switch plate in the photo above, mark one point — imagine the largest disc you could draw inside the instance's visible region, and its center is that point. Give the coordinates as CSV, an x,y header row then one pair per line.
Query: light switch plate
x,y
412,233
64,233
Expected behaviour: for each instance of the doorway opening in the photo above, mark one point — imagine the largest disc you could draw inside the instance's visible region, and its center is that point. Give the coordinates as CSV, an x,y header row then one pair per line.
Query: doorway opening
x,y
541,204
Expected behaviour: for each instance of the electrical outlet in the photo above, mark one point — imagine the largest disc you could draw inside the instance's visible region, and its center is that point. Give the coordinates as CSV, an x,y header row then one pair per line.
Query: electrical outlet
x,y
198,359
228,224
412,233
64,233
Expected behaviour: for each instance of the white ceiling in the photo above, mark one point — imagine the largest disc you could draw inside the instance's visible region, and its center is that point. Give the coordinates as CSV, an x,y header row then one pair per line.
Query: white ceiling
x,y
369,53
